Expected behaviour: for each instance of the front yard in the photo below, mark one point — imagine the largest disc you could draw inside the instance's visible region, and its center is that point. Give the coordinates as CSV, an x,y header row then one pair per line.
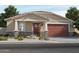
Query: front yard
x,y
17,38
34,39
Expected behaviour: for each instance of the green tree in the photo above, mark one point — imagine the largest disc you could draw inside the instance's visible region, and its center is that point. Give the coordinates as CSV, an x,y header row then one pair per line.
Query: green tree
x,y
2,22
72,13
77,24
8,12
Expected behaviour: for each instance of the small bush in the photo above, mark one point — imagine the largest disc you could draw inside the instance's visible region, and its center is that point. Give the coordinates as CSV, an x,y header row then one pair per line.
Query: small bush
x,y
19,37
6,35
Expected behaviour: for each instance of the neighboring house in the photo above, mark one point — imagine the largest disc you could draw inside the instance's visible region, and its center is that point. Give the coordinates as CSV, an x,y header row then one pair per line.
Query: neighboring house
x,y
36,22
2,30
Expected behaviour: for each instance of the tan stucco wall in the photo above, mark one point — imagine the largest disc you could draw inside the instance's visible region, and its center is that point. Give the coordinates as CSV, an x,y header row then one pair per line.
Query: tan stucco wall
x,y
71,27
58,21
10,25
28,26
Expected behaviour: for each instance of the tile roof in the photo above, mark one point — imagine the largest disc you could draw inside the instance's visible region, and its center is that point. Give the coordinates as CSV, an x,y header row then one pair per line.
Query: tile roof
x,y
43,14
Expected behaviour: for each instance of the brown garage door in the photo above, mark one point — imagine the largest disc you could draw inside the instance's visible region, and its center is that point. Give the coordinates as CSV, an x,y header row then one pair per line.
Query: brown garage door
x,y
57,30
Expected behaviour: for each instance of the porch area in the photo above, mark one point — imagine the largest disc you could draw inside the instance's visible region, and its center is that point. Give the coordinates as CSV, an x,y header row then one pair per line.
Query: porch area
x,y
31,29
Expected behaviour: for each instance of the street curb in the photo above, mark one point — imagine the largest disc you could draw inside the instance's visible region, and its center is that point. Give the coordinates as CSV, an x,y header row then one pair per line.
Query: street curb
x,y
53,45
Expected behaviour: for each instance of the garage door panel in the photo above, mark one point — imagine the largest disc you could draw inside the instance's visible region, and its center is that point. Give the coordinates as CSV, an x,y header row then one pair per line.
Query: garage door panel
x,y
57,30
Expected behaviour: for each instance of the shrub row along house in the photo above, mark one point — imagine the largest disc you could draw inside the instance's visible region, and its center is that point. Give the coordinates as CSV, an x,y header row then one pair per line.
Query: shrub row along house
x,y
37,22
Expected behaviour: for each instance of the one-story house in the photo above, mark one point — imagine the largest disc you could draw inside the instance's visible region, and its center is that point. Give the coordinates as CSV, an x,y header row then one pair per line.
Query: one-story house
x,y
32,23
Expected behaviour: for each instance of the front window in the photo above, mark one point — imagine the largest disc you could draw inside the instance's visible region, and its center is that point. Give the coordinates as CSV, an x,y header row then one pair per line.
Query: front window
x,y
21,26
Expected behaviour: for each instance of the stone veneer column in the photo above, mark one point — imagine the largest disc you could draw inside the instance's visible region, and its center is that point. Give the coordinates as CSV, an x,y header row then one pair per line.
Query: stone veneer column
x,y
16,28
41,31
45,31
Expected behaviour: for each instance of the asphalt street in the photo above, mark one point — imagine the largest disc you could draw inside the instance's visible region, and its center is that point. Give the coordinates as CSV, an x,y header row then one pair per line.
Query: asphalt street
x,y
40,50
57,45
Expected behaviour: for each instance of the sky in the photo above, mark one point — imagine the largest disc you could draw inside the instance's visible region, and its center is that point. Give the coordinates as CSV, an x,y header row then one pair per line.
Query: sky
x,y
58,9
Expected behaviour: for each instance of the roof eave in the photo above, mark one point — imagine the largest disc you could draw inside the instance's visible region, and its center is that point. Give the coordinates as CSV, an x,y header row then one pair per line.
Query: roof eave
x,y
6,19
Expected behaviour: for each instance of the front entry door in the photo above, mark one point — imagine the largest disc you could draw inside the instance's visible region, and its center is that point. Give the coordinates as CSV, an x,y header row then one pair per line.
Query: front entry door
x,y
36,29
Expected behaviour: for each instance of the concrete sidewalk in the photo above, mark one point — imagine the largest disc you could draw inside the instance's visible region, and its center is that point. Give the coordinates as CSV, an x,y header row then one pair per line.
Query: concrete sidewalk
x,y
27,41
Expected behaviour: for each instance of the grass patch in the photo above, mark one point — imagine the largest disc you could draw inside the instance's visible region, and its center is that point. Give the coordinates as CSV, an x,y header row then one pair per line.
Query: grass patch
x,y
3,38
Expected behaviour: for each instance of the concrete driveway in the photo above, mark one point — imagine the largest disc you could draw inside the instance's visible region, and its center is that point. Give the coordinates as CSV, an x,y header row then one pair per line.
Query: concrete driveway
x,y
65,40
